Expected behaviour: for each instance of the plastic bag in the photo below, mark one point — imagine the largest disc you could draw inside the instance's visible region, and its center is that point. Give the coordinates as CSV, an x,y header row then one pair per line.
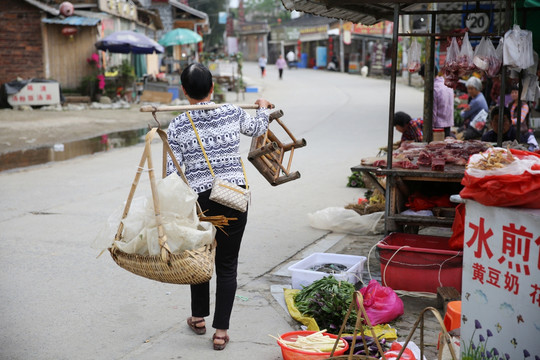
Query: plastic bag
x,y
495,61
411,352
347,221
451,67
518,48
479,120
516,184
458,229
381,303
465,58
486,58
180,222
481,54
413,55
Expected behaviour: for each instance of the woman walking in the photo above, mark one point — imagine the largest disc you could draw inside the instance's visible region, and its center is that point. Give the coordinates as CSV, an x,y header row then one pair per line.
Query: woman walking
x,y
219,131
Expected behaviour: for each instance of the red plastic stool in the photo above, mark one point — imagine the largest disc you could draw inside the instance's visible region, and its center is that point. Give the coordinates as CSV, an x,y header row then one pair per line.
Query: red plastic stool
x,y
452,318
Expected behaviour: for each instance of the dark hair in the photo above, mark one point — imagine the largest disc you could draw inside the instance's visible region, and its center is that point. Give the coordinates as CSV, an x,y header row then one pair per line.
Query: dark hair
x,y
401,118
495,112
197,81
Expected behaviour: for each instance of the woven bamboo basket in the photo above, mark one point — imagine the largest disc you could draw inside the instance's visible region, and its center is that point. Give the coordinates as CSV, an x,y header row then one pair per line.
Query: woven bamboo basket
x,y
362,319
188,267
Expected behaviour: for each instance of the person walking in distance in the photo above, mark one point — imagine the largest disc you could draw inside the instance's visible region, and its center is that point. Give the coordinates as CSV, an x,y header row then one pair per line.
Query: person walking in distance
x,y
262,65
281,64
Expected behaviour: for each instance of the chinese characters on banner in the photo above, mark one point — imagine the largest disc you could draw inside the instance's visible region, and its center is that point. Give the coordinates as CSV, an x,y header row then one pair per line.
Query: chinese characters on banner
x,y
501,283
36,94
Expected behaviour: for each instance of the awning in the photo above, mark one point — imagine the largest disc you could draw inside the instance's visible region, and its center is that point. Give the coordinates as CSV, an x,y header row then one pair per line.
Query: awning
x,y
367,12
73,21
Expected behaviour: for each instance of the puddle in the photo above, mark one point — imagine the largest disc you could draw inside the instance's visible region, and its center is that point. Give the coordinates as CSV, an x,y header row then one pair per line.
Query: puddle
x,y
70,150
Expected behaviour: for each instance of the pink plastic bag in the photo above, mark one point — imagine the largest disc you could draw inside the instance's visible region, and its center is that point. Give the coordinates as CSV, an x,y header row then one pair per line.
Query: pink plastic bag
x,y
381,303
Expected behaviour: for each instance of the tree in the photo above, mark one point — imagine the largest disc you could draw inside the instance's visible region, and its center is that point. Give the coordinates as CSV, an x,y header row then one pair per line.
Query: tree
x,y
270,10
212,8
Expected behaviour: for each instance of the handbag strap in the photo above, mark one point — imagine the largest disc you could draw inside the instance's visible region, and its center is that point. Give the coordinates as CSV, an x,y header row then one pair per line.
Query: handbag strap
x,y
206,156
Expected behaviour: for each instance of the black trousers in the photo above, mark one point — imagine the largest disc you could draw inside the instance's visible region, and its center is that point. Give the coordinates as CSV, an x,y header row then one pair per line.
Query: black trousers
x,y
280,73
226,264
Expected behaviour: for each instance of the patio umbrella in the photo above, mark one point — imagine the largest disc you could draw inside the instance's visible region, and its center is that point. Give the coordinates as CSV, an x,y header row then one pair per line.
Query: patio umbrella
x,y
126,42
180,36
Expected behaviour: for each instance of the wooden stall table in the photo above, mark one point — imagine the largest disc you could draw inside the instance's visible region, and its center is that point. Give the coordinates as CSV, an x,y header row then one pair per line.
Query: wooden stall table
x,y
401,183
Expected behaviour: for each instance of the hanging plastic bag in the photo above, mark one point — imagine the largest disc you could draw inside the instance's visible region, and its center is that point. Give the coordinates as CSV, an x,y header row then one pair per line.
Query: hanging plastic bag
x,y
499,178
451,67
413,55
381,303
518,48
481,54
495,60
465,59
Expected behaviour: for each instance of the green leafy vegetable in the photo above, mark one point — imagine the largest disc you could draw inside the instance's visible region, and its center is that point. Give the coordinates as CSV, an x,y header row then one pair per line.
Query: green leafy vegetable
x,y
327,301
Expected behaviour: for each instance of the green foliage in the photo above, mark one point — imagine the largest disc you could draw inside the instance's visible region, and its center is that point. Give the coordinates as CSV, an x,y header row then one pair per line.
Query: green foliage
x,y
88,86
327,300
212,8
356,180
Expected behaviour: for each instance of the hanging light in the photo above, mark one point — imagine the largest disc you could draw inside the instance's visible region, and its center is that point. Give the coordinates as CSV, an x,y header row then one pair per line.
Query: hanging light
x,y
69,31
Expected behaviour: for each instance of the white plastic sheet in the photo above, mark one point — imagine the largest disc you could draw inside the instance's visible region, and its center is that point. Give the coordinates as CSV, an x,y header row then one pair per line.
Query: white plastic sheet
x,y
181,225
347,221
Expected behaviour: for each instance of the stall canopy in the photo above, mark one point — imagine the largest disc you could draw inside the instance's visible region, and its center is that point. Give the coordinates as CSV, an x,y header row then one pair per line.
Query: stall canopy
x,y
362,12
126,42
180,36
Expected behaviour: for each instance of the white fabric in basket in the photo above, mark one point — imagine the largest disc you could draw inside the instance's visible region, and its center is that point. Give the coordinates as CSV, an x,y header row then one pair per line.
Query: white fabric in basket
x,y
181,224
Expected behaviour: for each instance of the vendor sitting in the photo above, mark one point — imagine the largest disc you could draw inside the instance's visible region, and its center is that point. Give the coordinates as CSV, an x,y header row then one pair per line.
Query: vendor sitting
x,y
410,129
509,131
473,127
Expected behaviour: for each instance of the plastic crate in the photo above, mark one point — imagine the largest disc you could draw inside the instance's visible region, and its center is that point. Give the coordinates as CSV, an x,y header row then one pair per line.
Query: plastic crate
x,y
419,262
302,276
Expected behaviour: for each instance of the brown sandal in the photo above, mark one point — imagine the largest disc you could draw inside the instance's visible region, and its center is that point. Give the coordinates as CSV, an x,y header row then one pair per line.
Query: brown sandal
x,y
199,330
220,346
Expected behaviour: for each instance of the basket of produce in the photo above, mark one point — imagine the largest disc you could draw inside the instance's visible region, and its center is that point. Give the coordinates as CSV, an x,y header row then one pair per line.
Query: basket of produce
x,y
168,263
310,345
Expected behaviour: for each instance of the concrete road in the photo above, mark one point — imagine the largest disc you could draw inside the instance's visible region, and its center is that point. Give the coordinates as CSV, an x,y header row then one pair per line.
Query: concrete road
x,y
57,301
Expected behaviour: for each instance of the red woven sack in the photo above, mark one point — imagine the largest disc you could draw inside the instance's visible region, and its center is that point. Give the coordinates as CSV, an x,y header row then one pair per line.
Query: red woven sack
x,y
521,189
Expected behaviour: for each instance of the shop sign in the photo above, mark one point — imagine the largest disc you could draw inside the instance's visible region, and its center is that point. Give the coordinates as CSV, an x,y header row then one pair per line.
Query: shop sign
x,y
36,94
377,64
121,8
253,28
381,28
314,33
478,22
501,283
323,29
292,33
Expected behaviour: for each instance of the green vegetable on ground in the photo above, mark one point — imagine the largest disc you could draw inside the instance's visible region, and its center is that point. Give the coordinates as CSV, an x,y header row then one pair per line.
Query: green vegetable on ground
x,y
327,301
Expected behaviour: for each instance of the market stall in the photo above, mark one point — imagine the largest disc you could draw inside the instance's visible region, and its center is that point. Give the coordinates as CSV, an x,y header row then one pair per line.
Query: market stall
x,y
500,242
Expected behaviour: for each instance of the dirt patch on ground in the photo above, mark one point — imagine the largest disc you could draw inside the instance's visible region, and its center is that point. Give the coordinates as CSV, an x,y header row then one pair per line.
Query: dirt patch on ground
x,y
20,130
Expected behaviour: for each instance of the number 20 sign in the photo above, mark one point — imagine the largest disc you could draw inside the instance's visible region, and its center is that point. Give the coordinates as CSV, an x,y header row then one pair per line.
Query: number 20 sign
x,y
478,22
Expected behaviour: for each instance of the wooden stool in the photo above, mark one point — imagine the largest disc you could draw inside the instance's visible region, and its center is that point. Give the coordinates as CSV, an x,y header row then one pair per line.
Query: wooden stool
x,y
267,153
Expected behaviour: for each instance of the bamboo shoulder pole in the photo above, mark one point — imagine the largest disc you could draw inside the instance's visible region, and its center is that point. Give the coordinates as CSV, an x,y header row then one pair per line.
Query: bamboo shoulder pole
x,y
150,108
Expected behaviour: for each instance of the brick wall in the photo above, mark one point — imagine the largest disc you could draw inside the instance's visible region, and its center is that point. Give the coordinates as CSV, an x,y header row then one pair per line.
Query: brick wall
x,y
21,45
